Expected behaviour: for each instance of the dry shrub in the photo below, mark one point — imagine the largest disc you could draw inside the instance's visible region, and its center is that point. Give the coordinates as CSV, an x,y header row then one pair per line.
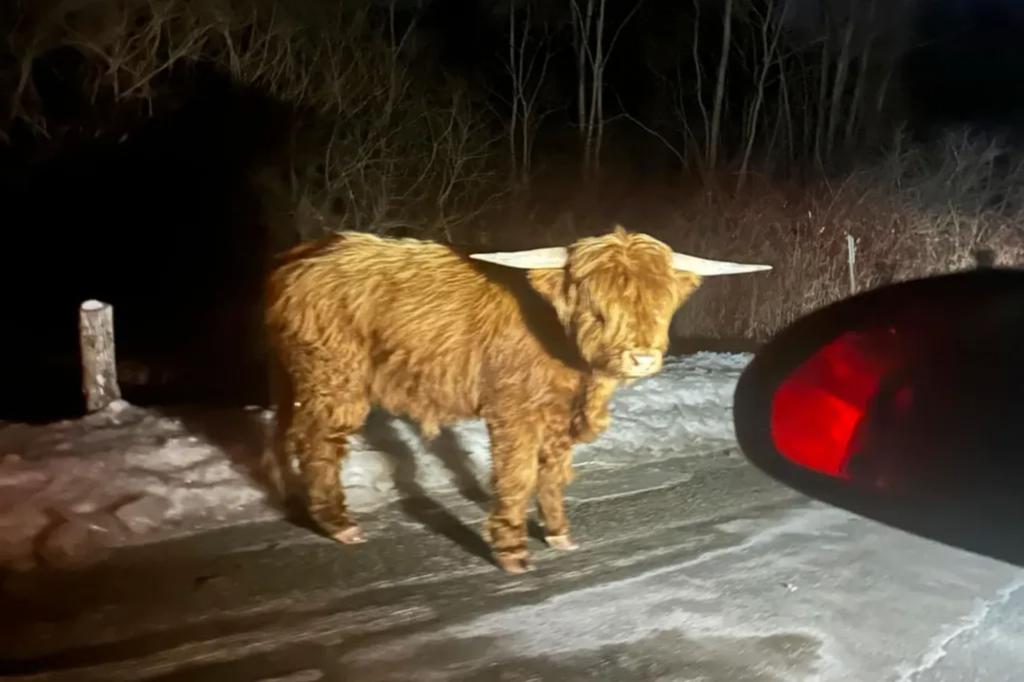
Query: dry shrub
x,y
371,142
917,211
924,211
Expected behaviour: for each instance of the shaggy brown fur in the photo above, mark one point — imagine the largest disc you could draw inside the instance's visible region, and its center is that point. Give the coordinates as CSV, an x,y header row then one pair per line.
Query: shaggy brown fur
x,y
422,331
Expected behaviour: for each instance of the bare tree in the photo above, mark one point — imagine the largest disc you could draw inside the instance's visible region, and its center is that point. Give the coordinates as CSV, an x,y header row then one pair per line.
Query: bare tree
x,y
592,54
527,65
723,67
839,82
784,116
771,22
698,85
699,72
821,107
857,100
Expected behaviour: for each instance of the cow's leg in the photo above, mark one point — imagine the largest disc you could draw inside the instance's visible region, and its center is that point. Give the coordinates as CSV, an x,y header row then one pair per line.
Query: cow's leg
x,y
325,412
514,450
590,415
554,473
320,461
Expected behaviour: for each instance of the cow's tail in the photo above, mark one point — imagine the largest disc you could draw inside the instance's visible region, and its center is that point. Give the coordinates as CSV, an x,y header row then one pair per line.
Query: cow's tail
x,y
275,463
272,465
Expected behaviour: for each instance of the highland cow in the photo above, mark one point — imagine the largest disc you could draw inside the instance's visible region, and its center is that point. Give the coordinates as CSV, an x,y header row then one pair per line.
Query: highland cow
x,y
532,342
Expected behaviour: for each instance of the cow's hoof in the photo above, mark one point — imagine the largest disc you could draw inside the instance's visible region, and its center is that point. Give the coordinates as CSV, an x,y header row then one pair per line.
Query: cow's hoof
x,y
514,563
352,535
560,542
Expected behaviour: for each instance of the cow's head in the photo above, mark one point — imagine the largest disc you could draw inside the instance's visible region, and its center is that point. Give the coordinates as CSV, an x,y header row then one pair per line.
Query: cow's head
x,y
616,294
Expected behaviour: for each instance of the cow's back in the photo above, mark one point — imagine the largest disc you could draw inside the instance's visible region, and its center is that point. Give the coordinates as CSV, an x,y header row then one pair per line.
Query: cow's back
x,y
422,318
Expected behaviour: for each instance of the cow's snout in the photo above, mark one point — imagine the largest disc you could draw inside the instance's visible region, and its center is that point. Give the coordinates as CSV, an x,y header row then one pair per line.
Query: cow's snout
x,y
641,362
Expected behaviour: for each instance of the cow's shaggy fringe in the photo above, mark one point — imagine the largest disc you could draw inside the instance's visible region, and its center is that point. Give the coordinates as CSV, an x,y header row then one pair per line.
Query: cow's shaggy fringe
x,y
422,331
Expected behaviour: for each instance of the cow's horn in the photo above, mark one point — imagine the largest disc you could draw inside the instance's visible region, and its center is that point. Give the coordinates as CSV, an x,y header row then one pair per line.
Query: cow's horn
x,y
534,259
707,268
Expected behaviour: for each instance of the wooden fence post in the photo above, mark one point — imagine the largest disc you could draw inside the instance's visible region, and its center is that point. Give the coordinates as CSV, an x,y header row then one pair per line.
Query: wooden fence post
x,y
851,262
99,363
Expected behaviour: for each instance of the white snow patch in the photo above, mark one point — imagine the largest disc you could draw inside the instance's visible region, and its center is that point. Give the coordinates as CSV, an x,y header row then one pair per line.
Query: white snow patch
x,y
973,620
71,490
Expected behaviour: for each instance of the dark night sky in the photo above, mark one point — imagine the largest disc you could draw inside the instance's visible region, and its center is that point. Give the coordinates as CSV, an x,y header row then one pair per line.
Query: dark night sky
x,y
970,62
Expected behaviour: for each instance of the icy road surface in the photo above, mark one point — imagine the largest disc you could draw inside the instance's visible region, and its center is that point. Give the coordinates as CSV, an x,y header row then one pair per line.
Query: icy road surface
x,y
694,566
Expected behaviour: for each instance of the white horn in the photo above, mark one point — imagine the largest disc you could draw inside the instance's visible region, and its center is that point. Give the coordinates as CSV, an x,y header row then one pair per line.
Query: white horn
x,y
707,268
534,259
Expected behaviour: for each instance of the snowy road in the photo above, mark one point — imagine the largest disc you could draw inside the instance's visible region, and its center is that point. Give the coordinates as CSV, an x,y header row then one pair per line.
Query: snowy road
x,y
695,569
694,566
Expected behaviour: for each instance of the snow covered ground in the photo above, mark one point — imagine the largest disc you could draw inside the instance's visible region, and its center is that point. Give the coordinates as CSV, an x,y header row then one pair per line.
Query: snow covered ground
x,y
694,564
71,491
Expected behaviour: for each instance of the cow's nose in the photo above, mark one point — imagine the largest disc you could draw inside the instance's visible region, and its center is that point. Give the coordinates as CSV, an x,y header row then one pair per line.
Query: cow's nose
x,y
642,361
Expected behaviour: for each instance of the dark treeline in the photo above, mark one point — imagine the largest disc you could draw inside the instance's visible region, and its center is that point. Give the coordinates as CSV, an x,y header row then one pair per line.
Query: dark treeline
x,y
157,153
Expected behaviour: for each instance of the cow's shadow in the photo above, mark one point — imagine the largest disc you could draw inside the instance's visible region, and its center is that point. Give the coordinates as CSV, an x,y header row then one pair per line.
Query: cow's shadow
x,y
243,436
380,434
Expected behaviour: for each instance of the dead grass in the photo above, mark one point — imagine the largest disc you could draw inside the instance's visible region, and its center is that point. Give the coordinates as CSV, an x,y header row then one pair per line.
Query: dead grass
x,y
919,212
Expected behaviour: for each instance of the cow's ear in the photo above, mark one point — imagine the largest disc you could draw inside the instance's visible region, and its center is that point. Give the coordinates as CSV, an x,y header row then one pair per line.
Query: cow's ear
x,y
552,284
686,284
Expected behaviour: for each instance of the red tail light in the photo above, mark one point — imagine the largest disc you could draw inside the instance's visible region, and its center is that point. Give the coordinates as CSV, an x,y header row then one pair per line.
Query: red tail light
x,y
819,410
